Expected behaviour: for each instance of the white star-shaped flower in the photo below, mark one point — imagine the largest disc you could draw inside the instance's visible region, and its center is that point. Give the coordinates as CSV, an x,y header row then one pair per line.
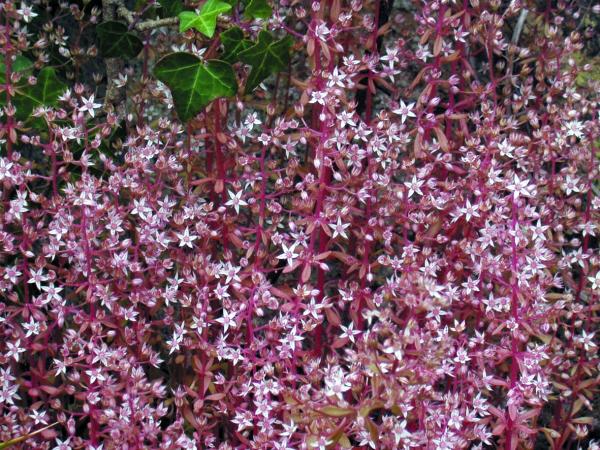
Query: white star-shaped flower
x,y
349,331
26,12
89,105
185,238
235,200
414,186
227,320
288,253
595,282
339,228
405,110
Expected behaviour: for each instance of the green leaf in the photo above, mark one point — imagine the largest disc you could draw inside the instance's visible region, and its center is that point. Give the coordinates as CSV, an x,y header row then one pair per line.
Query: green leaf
x,y
267,56
115,40
194,84
170,8
44,93
206,21
258,9
234,43
20,64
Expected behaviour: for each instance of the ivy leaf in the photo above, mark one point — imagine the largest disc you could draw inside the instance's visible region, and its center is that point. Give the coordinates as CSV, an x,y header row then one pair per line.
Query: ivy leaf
x,y
194,84
267,56
258,9
233,43
170,8
44,93
206,21
115,40
20,64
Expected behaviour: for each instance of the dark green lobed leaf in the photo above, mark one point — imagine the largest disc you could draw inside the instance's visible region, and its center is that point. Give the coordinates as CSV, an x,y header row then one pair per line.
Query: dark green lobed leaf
x,y
170,8
20,64
258,9
44,93
114,40
194,84
267,56
234,43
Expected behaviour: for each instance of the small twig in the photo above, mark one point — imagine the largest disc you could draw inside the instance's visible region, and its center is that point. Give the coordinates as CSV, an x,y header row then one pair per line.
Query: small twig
x,y
157,23
514,41
124,12
107,10
113,65
141,13
167,22
129,16
519,27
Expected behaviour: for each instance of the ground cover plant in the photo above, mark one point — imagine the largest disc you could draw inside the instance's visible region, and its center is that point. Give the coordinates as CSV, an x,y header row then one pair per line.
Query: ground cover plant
x,y
260,224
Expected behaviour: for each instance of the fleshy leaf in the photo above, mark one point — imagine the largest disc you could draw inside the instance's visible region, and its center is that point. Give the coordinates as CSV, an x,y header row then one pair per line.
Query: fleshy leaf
x,y
206,21
44,93
336,411
234,43
115,40
20,439
258,9
20,64
267,56
195,84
